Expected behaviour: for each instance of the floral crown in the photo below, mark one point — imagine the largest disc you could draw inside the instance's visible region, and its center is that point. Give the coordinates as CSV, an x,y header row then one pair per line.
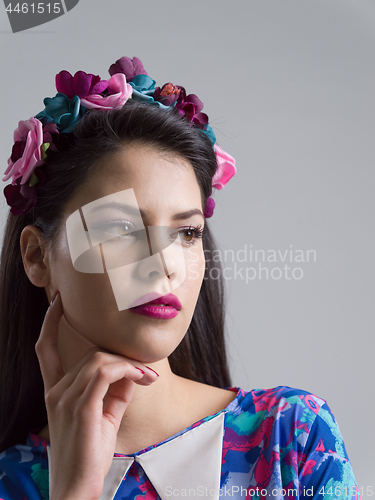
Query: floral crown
x,y
83,91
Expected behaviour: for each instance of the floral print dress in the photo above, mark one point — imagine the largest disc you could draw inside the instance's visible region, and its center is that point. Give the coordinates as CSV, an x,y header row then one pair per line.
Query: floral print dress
x,y
279,443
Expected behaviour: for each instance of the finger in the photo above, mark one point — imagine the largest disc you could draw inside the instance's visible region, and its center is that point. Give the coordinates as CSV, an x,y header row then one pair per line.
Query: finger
x,y
46,346
99,385
118,393
118,397
83,371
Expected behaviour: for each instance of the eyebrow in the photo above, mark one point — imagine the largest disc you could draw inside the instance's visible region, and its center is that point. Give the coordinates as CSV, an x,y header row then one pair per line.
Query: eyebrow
x,y
136,211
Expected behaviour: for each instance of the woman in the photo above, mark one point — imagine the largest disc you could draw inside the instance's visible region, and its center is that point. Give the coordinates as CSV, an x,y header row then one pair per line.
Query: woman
x,y
114,378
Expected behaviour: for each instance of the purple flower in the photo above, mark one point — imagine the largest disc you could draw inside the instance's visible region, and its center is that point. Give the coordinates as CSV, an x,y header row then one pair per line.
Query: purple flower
x,y
50,134
209,207
129,67
18,150
191,106
168,94
81,84
23,197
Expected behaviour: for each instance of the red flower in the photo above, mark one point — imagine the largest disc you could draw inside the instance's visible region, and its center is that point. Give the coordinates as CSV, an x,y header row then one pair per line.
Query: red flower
x,y
168,94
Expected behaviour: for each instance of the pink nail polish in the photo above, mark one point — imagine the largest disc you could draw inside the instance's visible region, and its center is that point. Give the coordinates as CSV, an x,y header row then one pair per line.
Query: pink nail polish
x,y
53,297
152,370
140,370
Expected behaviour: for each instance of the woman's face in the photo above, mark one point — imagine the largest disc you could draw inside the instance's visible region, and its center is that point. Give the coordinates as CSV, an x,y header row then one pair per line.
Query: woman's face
x,y
166,191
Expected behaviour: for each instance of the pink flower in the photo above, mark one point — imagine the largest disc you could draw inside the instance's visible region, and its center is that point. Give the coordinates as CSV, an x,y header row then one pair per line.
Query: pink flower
x,y
26,152
118,93
81,84
226,168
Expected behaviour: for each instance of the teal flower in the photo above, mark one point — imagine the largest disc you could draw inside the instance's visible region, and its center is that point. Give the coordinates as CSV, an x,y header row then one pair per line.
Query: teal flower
x,y
144,88
210,134
65,112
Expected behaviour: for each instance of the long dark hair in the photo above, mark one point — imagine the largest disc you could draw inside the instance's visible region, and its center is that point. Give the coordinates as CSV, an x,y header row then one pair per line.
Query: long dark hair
x,y
201,355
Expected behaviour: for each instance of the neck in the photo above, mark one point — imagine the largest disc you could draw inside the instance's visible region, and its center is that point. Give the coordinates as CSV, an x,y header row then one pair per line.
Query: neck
x,y
165,399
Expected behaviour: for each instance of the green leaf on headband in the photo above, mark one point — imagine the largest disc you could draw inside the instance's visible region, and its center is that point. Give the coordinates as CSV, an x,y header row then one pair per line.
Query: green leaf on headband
x,y
33,180
45,146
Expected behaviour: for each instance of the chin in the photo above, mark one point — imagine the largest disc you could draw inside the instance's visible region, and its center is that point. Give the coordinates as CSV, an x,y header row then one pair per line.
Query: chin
x,y
150,348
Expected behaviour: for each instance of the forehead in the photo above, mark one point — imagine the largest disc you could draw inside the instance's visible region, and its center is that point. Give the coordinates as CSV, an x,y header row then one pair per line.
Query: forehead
x,y
162,182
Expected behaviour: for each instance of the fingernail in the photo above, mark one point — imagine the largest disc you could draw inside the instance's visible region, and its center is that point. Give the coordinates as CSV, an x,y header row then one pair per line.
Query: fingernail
x,y
53,297
140,370
152,370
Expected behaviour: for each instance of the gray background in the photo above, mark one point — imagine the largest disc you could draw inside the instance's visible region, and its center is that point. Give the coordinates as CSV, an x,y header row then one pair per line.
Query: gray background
x,y
289,88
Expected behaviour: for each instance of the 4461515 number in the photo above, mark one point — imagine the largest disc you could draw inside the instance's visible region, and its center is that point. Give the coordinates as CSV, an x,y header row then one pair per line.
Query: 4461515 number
x,y
35,8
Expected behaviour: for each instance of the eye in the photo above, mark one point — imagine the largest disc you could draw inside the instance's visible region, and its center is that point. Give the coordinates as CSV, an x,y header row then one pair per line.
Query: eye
x,y
124,229
190,235
115,230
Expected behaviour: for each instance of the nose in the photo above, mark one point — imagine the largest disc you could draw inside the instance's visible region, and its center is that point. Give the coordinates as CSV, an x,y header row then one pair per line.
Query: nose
x,y
153,268
165,259
157,268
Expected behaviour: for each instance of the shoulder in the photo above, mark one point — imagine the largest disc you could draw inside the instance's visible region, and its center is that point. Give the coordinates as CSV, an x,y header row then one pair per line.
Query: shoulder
x,y
289,430
281,399
291,410
293,419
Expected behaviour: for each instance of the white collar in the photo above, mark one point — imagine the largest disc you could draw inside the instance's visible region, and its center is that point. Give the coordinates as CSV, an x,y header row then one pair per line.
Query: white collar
x,y
191,460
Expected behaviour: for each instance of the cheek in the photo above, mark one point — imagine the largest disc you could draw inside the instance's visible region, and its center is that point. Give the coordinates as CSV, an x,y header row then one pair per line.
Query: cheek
x,y
195,267
82,292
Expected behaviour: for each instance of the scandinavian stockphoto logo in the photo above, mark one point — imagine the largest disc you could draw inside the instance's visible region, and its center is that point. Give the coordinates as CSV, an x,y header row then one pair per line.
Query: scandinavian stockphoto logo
x,y
25,15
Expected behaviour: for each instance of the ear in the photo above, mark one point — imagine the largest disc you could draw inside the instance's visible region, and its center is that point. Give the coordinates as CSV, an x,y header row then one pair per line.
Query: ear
x,y
35,256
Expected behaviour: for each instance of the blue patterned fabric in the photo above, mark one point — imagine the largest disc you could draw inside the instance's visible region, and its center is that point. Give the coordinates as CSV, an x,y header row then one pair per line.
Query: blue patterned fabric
x,y
279,443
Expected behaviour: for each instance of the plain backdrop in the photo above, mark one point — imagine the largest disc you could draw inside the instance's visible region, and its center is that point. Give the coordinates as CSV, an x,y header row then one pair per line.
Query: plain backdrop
x,y
289,88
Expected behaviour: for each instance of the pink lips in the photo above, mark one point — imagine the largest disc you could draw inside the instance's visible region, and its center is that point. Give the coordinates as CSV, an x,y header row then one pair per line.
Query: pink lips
x,y
170,308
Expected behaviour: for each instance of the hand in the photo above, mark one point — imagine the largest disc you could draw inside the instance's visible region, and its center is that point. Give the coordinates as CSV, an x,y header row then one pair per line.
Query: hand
x,y
85,407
